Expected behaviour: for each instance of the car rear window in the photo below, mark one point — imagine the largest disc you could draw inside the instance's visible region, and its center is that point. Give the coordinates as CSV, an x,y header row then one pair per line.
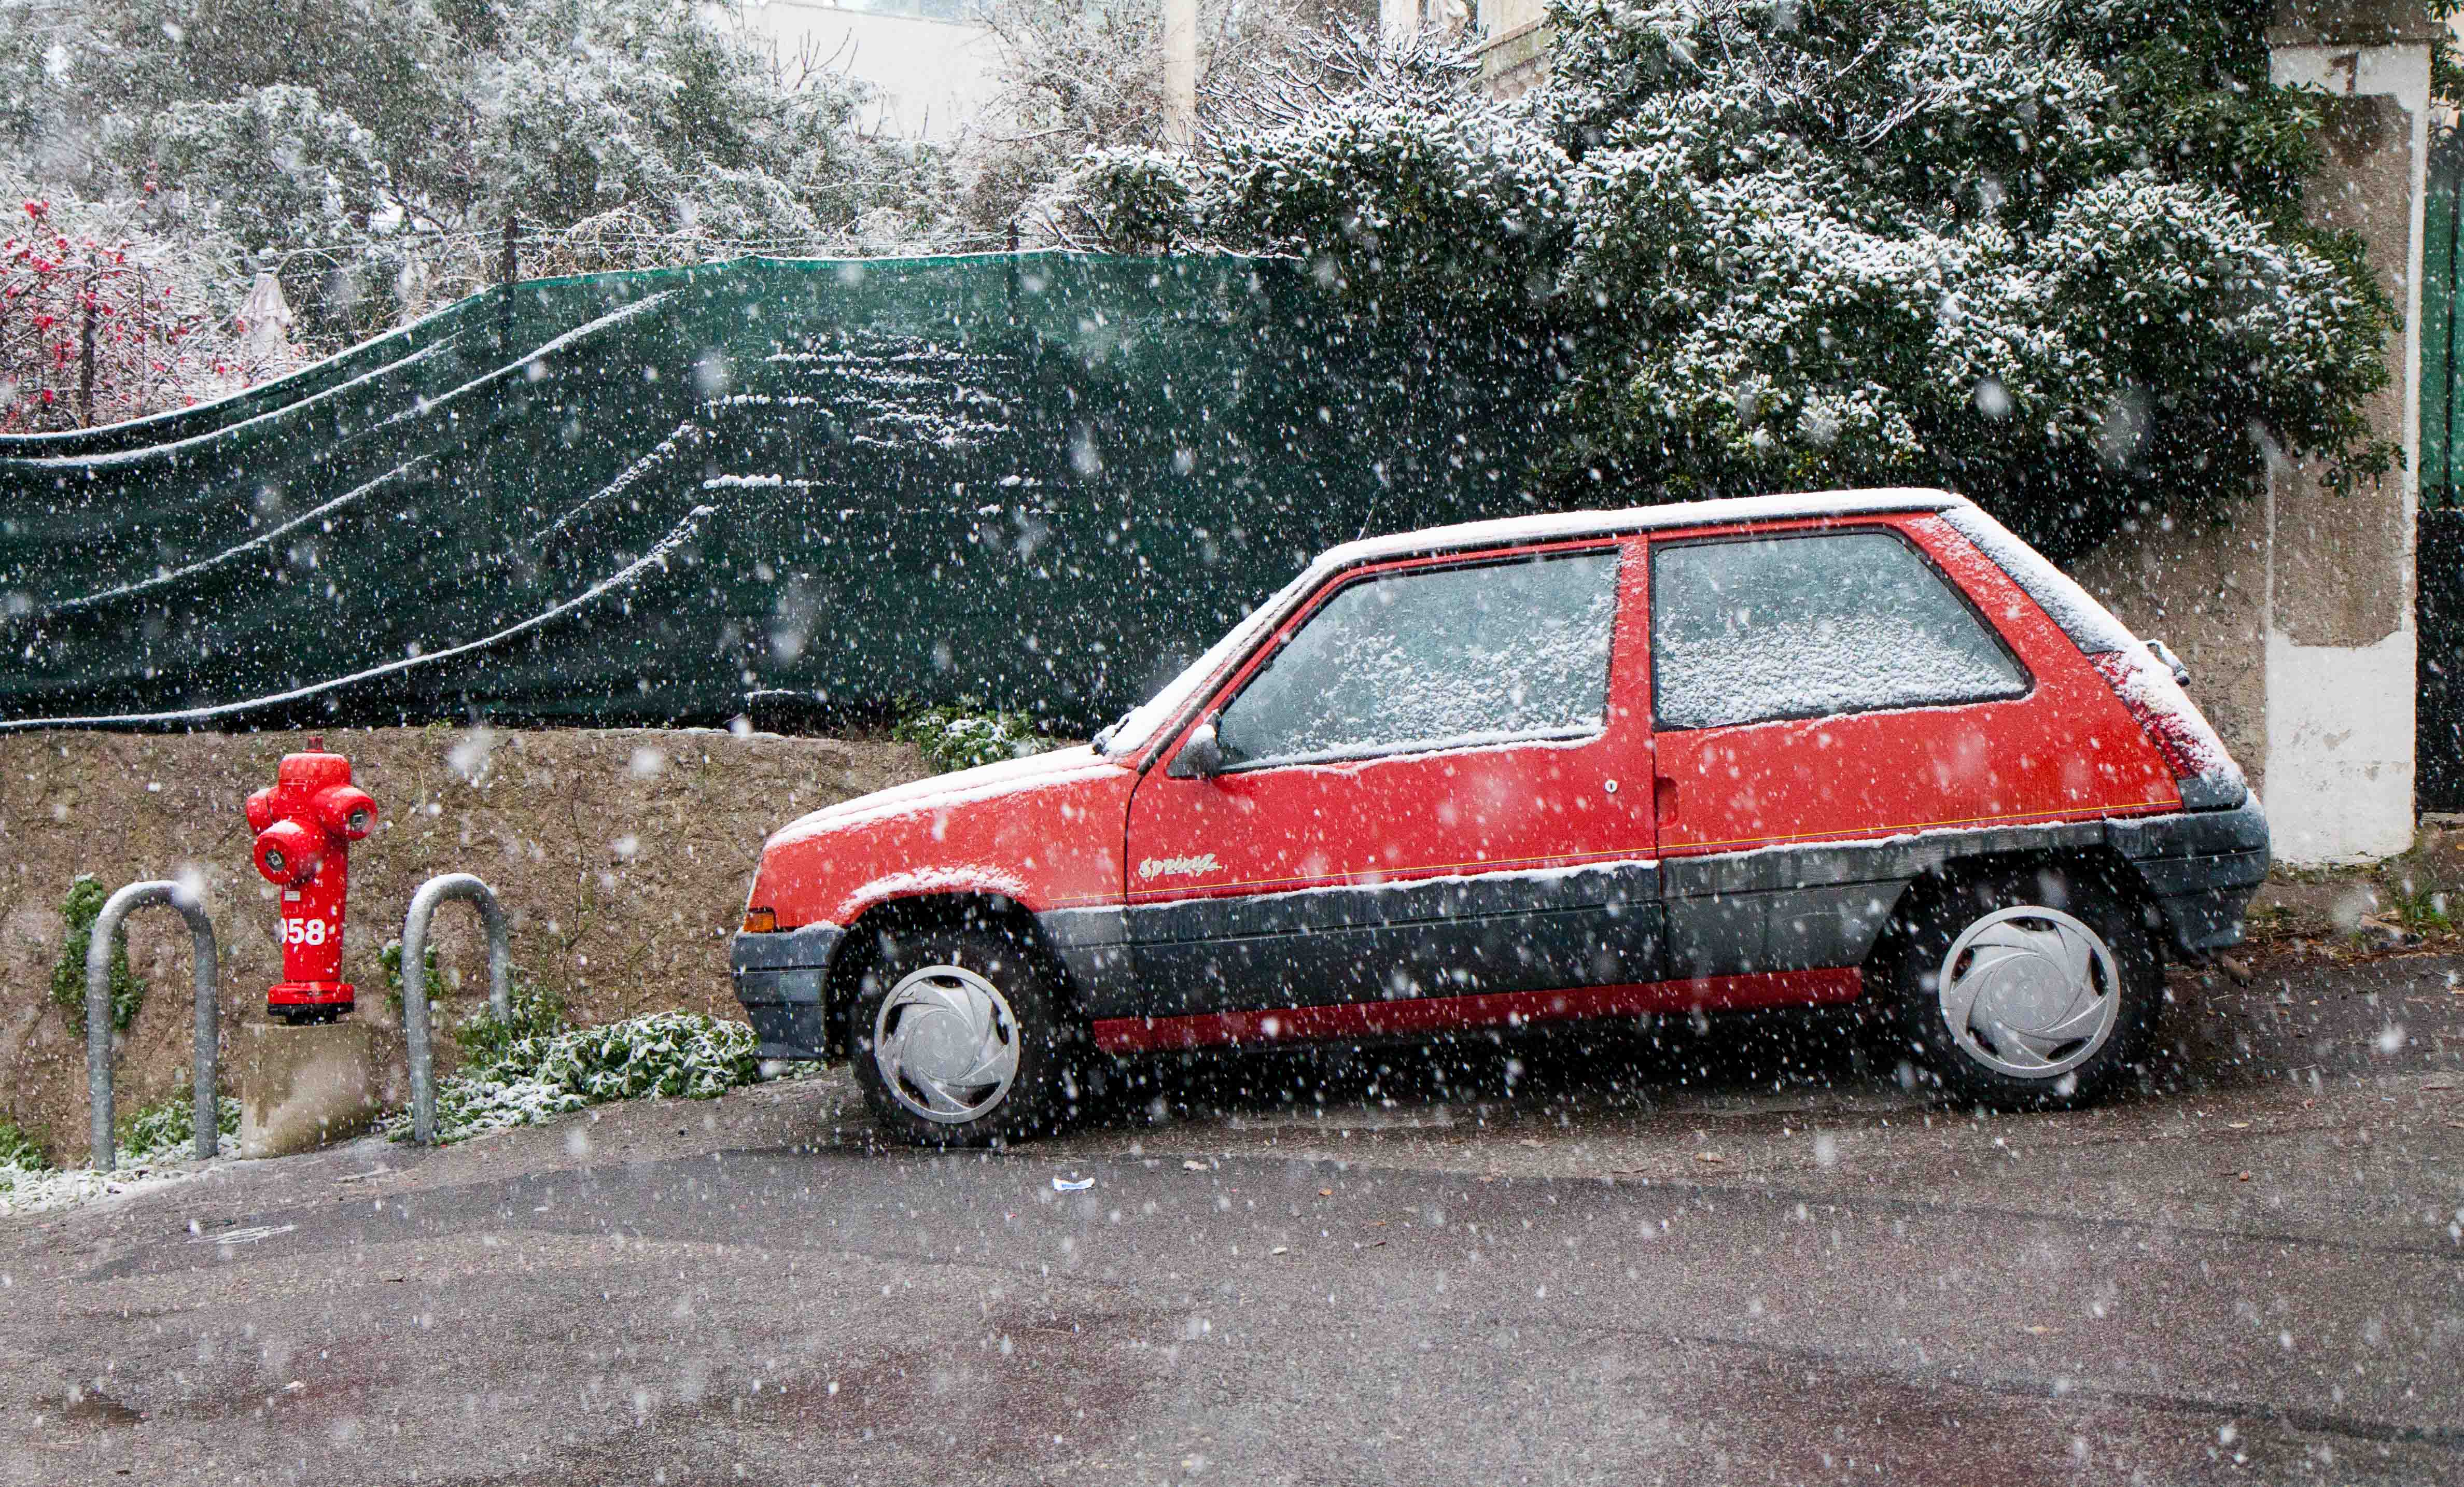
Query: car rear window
x,y
2090,625
1749,630
1436,658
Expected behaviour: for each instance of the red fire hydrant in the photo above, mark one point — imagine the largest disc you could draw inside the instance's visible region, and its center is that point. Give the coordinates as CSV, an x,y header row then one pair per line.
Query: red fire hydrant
x,y
305,825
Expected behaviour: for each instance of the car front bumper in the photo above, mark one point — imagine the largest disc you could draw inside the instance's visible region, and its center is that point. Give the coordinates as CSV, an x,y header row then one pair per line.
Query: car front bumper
x,y
779,979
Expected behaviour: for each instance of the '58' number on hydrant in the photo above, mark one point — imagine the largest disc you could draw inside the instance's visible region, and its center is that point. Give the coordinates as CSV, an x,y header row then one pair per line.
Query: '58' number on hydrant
x,y
304,931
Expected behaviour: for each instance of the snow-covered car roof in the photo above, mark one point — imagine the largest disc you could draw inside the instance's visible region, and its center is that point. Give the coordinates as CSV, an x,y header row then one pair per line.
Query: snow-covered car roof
x,y
1136,730
1516,531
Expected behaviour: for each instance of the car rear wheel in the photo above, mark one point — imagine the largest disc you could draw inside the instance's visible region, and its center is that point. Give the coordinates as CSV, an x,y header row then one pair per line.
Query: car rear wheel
x,y
2029,989
958,1041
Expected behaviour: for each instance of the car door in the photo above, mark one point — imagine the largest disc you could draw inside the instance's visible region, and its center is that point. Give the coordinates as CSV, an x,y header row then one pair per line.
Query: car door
x,y
1433,791
1816,693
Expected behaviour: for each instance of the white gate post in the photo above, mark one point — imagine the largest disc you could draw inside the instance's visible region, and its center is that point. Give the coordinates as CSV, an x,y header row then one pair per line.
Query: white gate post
x,y
2340,634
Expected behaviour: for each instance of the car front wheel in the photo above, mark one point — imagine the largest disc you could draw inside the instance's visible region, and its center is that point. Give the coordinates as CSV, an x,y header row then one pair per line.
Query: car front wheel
x,y
2028,988
958,1041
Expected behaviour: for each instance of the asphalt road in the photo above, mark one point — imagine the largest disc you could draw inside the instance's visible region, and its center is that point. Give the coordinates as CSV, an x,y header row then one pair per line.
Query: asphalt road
x,y
1734,1255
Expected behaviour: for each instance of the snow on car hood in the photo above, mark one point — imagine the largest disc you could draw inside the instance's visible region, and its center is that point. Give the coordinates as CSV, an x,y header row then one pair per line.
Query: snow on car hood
x,y
984,783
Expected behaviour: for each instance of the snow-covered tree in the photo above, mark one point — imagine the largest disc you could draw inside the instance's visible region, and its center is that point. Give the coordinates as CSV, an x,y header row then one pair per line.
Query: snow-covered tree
x,y
2050,251
649,106
353,146
1079,79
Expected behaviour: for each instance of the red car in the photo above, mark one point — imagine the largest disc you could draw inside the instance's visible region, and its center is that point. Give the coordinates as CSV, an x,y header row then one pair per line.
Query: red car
x,y
1800,748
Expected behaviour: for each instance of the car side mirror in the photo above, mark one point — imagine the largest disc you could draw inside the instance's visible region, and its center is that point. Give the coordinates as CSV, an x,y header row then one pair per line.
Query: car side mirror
x,y
1201,754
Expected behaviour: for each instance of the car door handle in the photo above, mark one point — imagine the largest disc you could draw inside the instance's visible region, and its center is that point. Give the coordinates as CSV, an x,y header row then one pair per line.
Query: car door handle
x,y
1664,798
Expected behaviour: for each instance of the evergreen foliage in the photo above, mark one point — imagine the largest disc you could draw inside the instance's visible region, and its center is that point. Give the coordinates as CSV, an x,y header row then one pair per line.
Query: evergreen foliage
x,y
535,1067
370,151
389,967
484,1039
2050,253
167,1130
19,1152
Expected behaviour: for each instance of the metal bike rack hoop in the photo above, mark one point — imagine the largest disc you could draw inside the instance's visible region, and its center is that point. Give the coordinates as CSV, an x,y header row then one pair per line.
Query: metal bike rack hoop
x,y
98,1012
469,888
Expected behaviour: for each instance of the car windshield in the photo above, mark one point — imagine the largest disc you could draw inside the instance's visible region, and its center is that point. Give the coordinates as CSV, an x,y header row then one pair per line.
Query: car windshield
x,y
1137,727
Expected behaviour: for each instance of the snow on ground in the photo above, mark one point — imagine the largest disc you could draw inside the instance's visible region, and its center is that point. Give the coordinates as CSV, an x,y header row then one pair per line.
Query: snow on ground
x,y
33,1191
528,1081
158,1150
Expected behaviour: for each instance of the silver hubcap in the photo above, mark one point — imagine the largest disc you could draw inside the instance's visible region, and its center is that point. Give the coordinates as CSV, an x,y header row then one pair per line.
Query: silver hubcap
x,y
2030,991
946,1044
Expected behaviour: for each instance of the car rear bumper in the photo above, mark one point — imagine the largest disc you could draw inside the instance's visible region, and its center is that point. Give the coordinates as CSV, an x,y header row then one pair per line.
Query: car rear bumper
x,y
2201,868
779,979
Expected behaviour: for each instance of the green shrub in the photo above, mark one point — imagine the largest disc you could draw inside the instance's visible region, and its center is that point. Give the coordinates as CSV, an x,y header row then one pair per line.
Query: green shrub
x,y
672,1055
20,1151
84,906
389,965
2057,257
167,1130
533,1067
966,733
486,1042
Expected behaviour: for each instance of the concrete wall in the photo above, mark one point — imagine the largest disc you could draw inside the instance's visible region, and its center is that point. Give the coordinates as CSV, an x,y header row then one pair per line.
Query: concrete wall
x,y
930,78
621,856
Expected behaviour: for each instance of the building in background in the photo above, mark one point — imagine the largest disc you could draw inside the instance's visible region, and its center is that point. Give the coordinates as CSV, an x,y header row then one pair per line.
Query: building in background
x,y
931,64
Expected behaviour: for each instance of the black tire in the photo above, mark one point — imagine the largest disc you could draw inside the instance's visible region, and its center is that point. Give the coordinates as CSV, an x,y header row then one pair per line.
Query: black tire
x,y
1997,902
955,964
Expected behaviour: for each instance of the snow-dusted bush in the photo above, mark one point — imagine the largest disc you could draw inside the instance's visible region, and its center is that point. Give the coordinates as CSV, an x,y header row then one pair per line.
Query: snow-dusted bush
x,y
965,733
168,1132
154,1143
271,166
159,316
1466,203
536,1068
2050,251
367,152
1127,200
668,1055
1076,81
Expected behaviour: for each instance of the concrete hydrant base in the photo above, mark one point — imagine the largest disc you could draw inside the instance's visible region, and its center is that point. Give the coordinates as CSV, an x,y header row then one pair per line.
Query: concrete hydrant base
x,y
305,1087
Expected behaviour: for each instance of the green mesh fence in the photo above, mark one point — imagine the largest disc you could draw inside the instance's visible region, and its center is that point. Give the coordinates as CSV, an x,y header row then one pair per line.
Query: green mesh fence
x,y
1042,480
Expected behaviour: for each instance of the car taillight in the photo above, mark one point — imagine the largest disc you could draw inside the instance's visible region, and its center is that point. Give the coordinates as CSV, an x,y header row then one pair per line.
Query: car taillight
x,y
760,921
2174,734
2206,774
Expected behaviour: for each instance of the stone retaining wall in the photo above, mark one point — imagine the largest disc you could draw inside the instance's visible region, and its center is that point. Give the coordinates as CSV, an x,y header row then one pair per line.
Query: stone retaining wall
x,y
621,856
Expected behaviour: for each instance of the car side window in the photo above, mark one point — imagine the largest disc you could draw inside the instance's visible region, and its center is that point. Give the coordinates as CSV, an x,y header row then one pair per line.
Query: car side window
x,y
1436,658
1757,629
